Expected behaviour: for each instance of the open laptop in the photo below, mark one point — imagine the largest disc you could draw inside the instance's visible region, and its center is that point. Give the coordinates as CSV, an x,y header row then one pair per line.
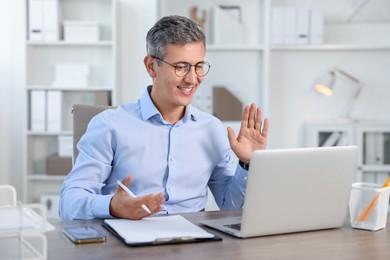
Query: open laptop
x,y
293,190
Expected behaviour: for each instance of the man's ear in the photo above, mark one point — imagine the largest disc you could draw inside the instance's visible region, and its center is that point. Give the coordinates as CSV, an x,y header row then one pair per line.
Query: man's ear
x,y
149,65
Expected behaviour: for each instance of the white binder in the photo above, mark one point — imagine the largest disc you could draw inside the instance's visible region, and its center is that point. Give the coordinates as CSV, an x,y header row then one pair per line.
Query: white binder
x,y
43,19
50,20
54,109
37,110
35,20
302,25
316,26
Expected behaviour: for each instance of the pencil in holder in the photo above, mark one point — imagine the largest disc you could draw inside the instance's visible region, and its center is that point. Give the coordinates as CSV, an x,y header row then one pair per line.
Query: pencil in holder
x,y
368,206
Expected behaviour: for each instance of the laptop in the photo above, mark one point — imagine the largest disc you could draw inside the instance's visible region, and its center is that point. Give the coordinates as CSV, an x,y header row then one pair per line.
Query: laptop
x,y
294,190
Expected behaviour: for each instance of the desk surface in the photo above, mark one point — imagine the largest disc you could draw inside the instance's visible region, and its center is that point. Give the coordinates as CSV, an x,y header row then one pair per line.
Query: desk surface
x,y
342,243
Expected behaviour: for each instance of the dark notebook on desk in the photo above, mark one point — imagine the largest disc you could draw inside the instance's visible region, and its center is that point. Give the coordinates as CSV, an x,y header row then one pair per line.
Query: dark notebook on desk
x,y
293,190
158,230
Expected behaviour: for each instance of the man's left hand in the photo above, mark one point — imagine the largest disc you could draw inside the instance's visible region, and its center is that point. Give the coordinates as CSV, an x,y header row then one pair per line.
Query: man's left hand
x,y
252,136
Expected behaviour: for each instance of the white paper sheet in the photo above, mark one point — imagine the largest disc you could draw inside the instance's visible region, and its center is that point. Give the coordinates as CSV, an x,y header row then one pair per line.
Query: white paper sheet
x,y
156,228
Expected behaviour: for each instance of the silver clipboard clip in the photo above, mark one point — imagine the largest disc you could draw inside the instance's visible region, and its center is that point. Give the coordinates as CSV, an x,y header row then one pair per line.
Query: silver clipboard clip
x,y
173,240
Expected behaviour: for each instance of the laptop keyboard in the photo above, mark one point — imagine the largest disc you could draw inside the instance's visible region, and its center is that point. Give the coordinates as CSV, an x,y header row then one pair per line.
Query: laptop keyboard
x,y
234,226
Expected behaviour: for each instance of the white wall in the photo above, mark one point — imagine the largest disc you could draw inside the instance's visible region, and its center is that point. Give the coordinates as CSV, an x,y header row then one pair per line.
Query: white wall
x,y
12,105
4,79
134,20
293,99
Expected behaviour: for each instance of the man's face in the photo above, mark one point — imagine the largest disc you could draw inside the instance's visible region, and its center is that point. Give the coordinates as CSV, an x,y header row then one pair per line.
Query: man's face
x,y
169,90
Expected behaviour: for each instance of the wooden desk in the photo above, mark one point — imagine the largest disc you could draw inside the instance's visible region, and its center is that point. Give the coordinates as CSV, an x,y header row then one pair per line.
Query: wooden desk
x,y
343,243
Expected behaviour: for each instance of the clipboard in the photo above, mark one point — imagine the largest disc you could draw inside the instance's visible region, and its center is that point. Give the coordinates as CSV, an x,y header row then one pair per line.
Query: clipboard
x,y
161,230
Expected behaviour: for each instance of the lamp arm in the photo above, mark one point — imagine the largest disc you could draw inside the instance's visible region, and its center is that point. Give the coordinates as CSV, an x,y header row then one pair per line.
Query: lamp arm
x,y
346,113
359,90
349,76
357,10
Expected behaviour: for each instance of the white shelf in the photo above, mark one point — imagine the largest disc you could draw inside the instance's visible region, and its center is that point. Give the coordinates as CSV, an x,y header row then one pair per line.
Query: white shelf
x,y
45,177
75,89
234,48
333,47
375,168
39,133
64,43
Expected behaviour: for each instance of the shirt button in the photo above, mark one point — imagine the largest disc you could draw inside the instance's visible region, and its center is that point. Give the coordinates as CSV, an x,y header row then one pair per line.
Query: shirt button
x,y
169,189
172,159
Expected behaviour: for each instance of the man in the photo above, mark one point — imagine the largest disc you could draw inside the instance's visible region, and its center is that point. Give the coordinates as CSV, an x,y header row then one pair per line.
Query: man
x,y
166,151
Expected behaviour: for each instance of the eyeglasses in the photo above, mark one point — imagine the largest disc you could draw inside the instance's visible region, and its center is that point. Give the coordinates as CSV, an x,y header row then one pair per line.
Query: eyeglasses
x,y
183,68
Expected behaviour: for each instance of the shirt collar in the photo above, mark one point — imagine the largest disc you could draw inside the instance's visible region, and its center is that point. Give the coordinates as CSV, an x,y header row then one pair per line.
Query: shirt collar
x,y
148,109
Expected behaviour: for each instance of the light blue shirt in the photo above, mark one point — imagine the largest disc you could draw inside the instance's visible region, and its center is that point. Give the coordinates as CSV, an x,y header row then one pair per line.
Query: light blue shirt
x,y
181,160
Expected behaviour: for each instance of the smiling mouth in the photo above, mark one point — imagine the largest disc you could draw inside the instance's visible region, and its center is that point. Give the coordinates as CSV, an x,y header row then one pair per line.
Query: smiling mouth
x,y
185,90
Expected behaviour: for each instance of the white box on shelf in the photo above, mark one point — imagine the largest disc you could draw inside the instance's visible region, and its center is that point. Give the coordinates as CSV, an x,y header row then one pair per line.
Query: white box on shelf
x,y
65,146
51,203
54,109
37,110
227,28
316,33
81,31
71,75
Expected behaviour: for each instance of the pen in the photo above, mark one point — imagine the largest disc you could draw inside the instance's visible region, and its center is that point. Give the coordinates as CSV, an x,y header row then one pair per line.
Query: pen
x,y
132,195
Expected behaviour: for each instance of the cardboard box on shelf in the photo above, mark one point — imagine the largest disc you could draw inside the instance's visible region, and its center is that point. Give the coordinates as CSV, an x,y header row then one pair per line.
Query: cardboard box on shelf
x,y
56,165
227,107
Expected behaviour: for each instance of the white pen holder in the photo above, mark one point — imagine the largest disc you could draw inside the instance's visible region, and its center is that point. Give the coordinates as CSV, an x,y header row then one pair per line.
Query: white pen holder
x,y
368,206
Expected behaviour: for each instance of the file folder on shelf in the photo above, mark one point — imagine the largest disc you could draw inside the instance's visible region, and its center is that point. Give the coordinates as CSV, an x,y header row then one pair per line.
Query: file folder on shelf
x,y
38,110
54,110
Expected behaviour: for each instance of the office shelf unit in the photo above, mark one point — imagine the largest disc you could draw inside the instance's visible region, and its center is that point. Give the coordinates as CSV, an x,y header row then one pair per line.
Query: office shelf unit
x,y
41,59
371,137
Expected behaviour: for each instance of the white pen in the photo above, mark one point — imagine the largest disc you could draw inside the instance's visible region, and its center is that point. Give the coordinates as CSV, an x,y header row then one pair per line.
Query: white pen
x,y
132,195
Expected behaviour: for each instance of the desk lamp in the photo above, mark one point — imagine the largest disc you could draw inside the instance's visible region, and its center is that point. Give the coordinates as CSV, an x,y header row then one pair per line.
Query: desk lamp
x,y
326,85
